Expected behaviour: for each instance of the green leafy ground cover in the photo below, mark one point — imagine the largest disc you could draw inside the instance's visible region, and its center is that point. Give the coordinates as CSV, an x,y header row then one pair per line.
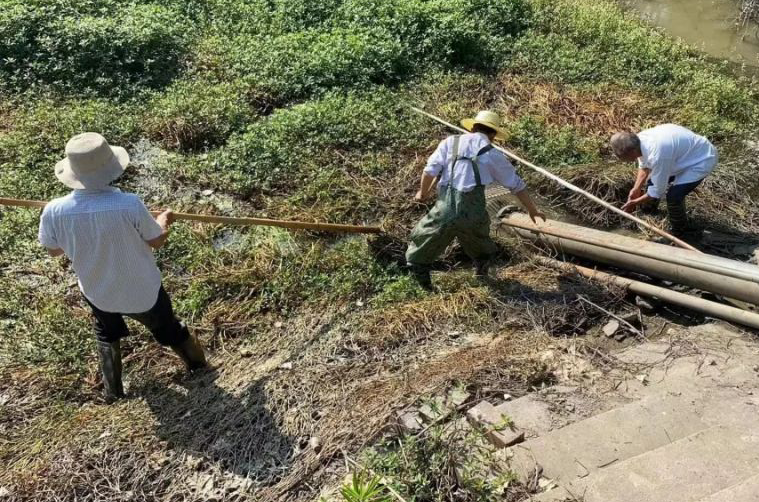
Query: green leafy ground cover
x,y
299,110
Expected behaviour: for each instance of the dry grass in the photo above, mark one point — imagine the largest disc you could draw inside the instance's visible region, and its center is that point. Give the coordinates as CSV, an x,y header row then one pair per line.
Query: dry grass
x,y
749,11
596,112
243,433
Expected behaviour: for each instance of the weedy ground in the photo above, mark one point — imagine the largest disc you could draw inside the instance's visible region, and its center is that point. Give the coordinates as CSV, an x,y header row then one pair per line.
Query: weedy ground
x,y
300,111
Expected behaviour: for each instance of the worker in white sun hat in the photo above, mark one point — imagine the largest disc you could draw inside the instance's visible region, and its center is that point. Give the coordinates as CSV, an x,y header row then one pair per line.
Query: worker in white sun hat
x,y
108,235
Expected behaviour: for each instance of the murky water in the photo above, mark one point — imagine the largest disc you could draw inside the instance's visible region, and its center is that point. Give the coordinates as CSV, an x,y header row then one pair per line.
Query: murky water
x,y
707,24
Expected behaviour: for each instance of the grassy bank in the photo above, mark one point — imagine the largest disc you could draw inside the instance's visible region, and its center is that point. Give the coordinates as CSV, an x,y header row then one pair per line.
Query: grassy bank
x,y
299,111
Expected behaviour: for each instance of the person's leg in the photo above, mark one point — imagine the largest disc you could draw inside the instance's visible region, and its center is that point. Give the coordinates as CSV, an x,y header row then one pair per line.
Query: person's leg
x,y
170,331
473,230
428,240
476,242
109,329
652,205
676,209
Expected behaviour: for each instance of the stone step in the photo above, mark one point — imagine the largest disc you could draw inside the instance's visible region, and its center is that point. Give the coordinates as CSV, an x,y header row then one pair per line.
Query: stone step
x,y
745,491
687,470
559,494
580,449
528,415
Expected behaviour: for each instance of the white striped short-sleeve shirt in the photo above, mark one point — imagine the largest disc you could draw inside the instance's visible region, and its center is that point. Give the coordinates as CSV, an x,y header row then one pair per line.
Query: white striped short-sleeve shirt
x,y
104,234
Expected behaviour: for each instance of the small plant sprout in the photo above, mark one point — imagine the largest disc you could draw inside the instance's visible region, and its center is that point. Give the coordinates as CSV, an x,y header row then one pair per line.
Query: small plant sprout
x,y
506,423
363,488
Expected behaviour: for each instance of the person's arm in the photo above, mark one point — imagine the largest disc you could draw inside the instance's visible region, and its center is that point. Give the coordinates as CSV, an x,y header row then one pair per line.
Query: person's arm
x,y
425,187
659,176
504,173
46,235
640,181
435,165
529,205
164,220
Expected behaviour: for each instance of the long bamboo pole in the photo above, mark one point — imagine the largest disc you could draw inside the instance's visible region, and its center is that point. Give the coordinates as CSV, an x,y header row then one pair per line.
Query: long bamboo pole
x,y
230,220
707,307
569,185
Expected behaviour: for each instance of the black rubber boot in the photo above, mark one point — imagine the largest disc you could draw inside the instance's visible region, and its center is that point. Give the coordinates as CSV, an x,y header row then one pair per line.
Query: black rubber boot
x,y
110,367
422,276
650,207
481,269
678,217
191,352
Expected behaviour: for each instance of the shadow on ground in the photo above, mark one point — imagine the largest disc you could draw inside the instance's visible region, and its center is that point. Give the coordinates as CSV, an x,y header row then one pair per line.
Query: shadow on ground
x,y
197,417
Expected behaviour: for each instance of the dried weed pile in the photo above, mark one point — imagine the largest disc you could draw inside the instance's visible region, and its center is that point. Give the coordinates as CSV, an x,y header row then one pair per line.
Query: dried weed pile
x,y
749,11
245,433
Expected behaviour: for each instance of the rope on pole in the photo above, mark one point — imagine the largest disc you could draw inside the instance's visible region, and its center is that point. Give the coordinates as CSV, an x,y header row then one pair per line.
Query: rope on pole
x,y
230,220
569,185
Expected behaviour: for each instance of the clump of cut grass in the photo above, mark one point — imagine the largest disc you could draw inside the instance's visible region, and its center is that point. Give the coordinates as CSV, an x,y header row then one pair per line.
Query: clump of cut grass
x,y
540,299
609,182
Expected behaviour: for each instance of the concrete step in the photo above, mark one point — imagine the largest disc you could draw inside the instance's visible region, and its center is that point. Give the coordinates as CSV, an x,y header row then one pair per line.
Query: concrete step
x,y
559,494
528,414
745,491
687,470
580,449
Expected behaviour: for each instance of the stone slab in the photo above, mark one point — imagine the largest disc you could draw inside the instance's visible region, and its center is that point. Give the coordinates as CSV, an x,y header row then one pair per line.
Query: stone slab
x,y
505,438
529,414
580,449
687,470
745,491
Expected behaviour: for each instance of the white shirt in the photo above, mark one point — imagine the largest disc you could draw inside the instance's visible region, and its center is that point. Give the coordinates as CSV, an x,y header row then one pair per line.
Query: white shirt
x,y
671,150
494,166
104,234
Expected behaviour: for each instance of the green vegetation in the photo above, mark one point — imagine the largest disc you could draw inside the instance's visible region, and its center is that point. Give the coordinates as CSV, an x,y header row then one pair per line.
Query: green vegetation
x,y
89,48
363,488
298,110
445,460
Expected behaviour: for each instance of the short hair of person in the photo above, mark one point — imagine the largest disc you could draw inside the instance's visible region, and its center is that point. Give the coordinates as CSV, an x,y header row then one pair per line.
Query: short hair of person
x,y
625,143
483,129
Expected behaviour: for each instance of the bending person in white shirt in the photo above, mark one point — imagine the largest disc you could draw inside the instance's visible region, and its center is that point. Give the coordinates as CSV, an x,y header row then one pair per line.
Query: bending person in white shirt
x,y
672,161
465,164
108,236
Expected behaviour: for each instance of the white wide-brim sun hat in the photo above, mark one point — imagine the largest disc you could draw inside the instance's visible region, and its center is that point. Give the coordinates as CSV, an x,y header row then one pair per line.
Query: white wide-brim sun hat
x,y
91,162
488,119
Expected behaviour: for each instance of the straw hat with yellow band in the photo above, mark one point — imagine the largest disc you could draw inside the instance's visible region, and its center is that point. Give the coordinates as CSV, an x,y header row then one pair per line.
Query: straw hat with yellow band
x,y
488,119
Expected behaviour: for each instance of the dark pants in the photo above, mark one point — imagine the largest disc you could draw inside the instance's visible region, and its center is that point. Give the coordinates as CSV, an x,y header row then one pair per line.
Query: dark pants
x,y
160,320
676,210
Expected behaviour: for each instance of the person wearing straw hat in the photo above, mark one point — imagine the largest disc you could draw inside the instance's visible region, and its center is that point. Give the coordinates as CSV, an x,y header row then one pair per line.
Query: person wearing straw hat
x,y
673,161
461,167
108,235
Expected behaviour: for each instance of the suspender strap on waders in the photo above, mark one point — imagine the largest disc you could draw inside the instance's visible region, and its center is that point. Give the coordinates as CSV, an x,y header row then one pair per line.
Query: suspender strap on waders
x,y
475,166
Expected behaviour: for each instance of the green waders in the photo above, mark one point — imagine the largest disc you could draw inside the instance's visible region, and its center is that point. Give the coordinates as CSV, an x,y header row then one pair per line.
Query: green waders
x,y
456,214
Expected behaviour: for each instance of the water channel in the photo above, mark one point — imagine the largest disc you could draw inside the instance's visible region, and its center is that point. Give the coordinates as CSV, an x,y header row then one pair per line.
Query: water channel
x,y
710,25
